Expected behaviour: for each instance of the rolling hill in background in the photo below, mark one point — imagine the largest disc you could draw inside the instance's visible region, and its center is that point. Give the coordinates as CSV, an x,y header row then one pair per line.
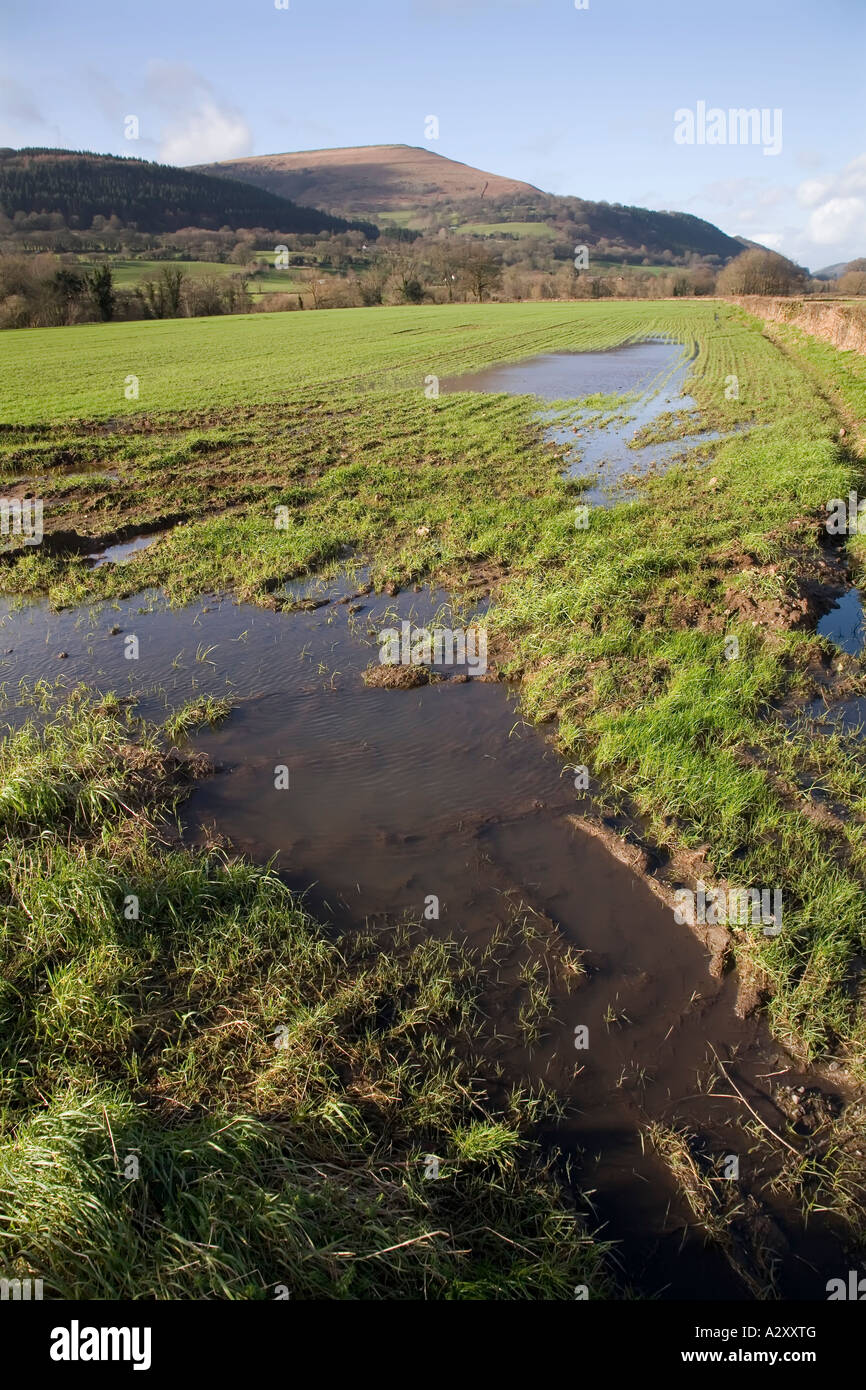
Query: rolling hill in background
x,y
384,178
79,186
421,189
831,272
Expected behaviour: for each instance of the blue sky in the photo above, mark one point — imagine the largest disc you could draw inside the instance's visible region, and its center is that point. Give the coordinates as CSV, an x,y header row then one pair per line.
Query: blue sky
x,y
578,101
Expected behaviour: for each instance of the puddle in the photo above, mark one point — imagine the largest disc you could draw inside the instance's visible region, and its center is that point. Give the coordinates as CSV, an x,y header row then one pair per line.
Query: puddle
x,y
653,372
844,624
443,790
124,550
85,468
842,716
561,376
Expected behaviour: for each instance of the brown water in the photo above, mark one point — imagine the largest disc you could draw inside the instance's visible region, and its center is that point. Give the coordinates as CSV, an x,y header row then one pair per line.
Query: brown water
x,y
396,795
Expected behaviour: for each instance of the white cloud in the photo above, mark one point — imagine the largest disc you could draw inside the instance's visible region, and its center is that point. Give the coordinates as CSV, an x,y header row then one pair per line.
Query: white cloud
x,y
204,135
195,124
813,191
774,240
836,220
838,204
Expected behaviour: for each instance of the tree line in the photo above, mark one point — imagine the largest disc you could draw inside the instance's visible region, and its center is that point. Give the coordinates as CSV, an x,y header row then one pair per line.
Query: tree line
x,y
77,186
47,291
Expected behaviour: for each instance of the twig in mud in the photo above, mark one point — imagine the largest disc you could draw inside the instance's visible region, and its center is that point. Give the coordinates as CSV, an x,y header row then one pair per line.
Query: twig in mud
x,y
751,1110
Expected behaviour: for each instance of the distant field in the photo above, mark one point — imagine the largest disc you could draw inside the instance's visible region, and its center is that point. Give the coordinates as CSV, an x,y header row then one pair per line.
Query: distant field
x,y
537,229
127,274
257,358
403,218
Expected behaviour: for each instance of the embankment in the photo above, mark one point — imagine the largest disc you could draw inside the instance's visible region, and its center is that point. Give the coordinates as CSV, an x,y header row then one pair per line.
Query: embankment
x,y
843,325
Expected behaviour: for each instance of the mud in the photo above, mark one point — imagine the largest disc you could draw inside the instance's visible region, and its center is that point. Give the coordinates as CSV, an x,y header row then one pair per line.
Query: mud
x,y
399,797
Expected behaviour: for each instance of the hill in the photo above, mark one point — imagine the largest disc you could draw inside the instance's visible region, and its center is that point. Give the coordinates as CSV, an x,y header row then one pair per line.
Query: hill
x,y
421,189
835,272
79,186
369,179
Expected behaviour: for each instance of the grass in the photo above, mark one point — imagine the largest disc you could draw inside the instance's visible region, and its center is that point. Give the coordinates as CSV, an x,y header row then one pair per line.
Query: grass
x,y
515,229
126,274
203,712
204,1095
252,359
617,632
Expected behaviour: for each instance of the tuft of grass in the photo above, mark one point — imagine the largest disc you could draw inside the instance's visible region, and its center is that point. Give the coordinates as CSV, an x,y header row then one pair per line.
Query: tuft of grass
x,y
203,1094
204,711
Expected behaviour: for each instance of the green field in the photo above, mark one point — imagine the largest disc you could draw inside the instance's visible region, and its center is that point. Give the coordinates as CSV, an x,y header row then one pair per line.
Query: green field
x,y
345,433
517,229
128,274
206,363
617,635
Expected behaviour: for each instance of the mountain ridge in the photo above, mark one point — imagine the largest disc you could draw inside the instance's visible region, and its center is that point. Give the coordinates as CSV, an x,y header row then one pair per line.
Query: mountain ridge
x,y
421,188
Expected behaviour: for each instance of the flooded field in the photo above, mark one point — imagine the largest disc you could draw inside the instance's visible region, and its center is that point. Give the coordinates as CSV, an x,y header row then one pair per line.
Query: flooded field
x,y
491,973
397,795
604,446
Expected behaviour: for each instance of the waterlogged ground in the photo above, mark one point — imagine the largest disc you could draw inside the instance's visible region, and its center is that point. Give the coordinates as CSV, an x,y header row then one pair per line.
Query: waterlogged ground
x,y
397,795
604,444
616,639
844,623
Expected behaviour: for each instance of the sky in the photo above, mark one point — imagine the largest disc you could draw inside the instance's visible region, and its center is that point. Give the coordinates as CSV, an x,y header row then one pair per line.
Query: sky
x,y
592,101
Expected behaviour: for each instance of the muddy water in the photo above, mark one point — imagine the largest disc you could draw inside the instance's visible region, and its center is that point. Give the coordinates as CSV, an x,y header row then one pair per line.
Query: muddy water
x,y
124,550
398,795
652,373
559,376
841,716
845,624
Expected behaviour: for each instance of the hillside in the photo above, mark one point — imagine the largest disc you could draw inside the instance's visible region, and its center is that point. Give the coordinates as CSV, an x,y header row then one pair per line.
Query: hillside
x,y
79,185
831,272
369,179
835,272
427,190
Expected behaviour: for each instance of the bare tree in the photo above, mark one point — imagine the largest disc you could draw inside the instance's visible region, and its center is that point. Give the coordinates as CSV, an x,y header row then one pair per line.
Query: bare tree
x,y
480,271
163,296
445,265
761,272
316,284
